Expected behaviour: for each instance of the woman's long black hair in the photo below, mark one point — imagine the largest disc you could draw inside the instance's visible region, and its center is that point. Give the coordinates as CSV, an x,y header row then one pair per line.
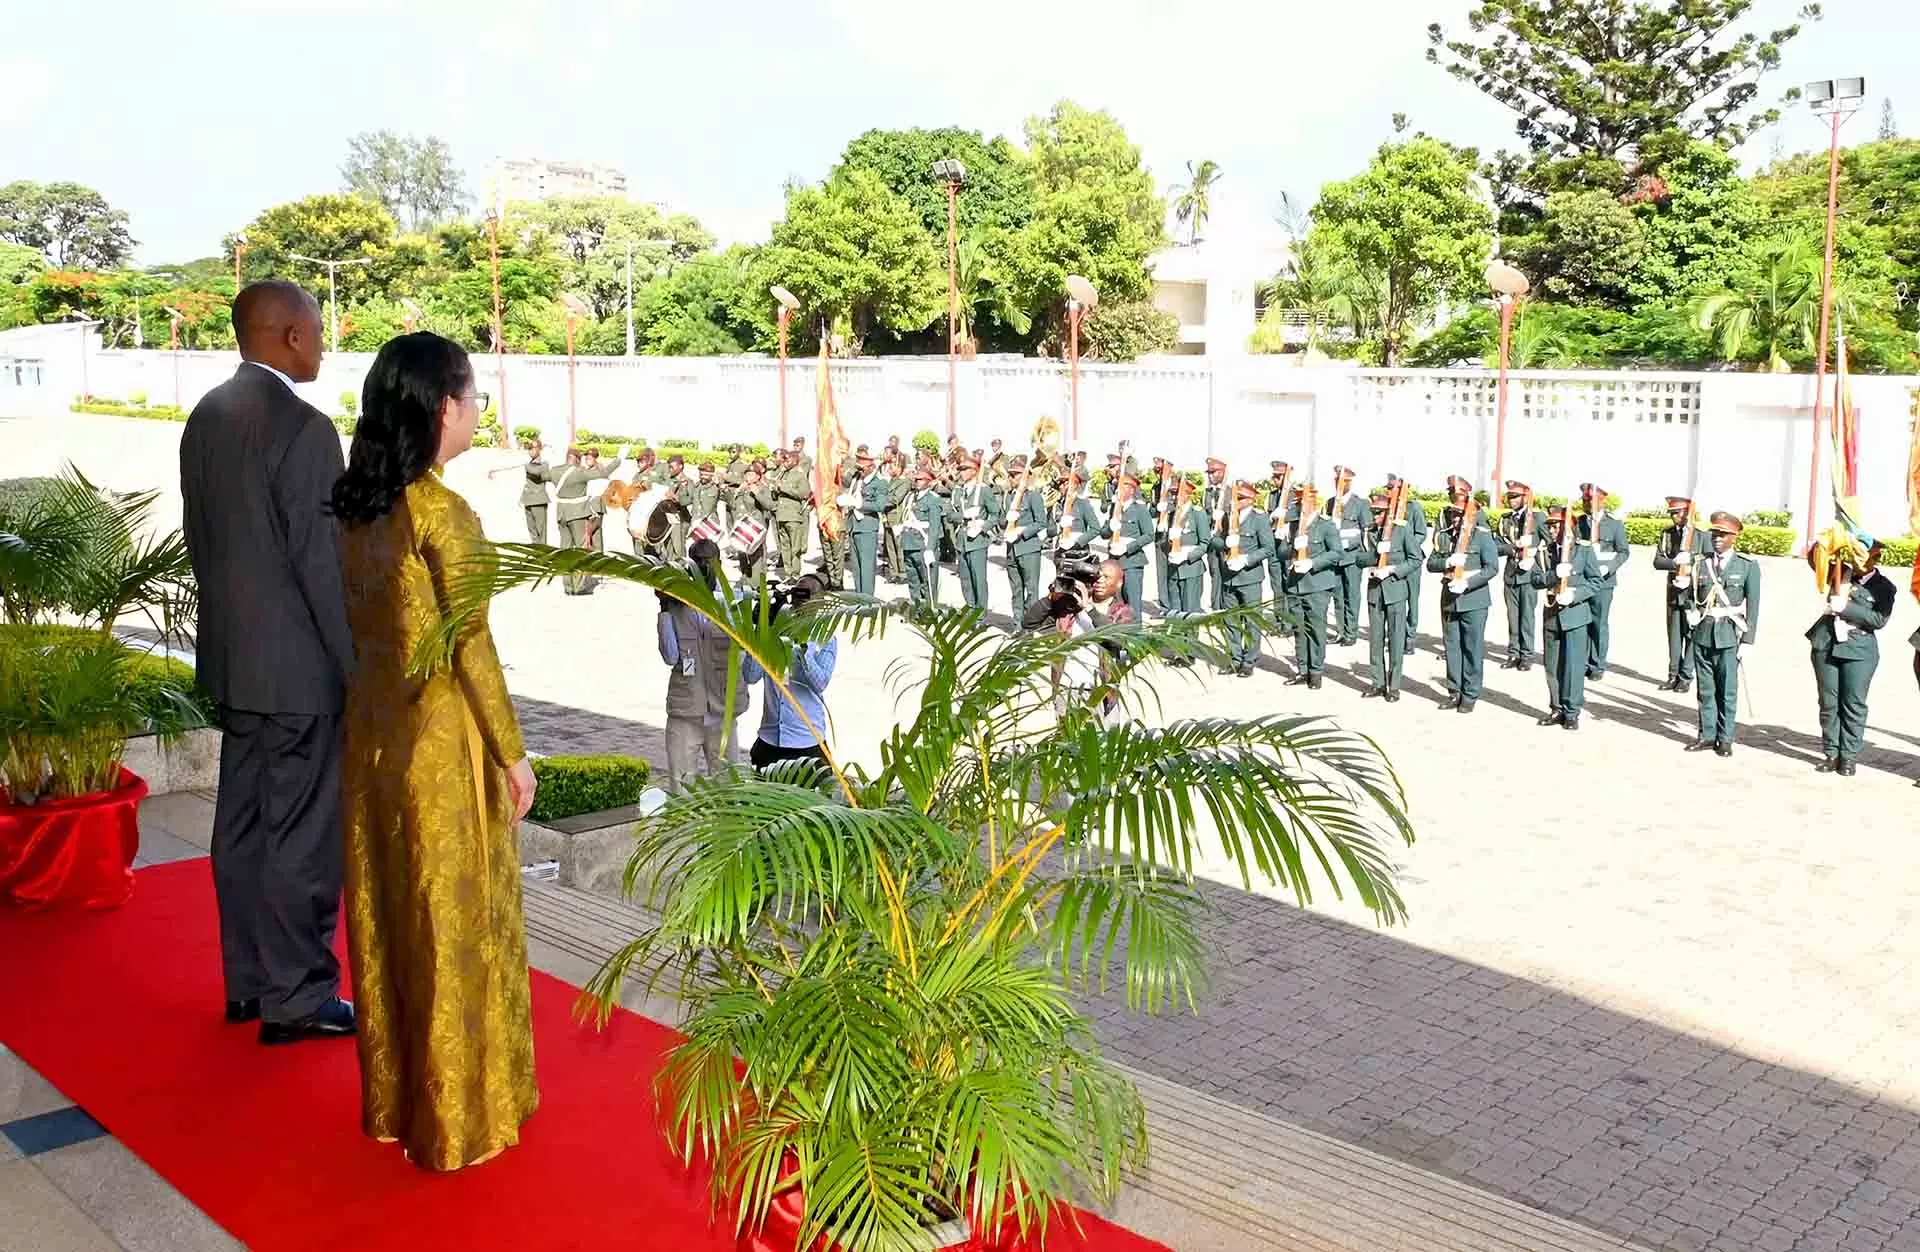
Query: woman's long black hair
x,y
399,432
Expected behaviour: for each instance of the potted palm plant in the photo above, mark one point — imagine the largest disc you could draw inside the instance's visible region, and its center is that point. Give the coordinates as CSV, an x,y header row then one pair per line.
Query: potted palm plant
x,y
883,961
74,561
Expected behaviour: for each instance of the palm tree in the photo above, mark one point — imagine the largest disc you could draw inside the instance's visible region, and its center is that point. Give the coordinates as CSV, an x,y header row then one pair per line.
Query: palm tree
x,y
981,288
1193,202
1777,308
881,959
69,549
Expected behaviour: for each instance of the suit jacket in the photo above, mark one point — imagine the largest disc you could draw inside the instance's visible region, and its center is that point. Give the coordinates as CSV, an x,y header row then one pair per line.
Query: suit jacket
x,y
872,505
1031,520
984,501
1136,530
1869,605
925,512
1352,513
257,469
1522,533
534,490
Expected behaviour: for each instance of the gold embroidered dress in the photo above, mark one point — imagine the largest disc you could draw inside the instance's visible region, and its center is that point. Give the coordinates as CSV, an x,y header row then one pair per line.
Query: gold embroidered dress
x,y
434,924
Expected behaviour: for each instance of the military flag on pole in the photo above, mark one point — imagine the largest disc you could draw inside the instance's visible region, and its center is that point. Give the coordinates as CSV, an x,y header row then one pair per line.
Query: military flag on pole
x,y
1846,539
831,449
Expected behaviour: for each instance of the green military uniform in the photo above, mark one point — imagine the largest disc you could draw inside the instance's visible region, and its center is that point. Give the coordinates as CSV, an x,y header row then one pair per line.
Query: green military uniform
x,y
703,501
898,488
1726,601
1281,515
1128,542
791,489
1315,539
1074,529
862,528
1522,538
1417,523
977,506
1246,576
1843,667
1608,538
1165,488
833,551
1679,597
1389,588
1214,498
1189,542
1351,513
736,472
575,511
755,503
1025,530
1565,631
534,499
1463,615
948,479
919,539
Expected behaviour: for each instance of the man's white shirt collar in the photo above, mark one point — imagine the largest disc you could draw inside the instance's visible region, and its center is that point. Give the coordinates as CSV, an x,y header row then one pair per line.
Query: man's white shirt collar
x,y
276,373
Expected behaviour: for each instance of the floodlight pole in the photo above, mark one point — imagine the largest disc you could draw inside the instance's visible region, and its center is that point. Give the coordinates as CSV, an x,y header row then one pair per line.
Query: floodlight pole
x,y
1837,109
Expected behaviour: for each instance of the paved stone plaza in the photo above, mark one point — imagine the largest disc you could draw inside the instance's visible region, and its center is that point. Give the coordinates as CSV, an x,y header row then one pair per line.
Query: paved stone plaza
x,y
1669,996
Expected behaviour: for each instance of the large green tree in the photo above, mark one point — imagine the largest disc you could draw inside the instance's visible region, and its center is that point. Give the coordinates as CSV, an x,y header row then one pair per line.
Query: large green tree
x,y
1699,220
590,234
997,196
1414,227
1587,249
413,177
72,226
709,306
326,228
857,256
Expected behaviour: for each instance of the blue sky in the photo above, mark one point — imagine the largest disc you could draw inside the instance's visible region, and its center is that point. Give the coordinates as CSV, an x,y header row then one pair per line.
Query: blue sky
x,y
195,114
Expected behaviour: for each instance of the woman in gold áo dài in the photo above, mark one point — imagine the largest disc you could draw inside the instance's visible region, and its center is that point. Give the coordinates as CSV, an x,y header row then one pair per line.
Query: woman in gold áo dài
x,y
435,780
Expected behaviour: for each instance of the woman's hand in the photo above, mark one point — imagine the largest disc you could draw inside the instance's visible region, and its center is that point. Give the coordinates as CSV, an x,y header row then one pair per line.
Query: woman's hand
x,y
522,784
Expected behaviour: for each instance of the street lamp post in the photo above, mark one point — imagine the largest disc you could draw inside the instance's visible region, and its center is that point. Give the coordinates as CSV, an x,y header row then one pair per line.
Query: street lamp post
x,y
788,302
333,298
954,175
1080,297
630,243
174,317
499,334
139,333
83,321
1508,284
239,250
1835,99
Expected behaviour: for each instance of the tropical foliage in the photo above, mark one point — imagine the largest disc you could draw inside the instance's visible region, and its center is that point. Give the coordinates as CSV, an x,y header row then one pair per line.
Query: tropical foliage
x,y
72,551
881,958
1193,200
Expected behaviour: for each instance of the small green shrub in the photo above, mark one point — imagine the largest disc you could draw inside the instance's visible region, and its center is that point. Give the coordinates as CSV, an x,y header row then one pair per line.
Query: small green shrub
x,y
138,399
349,403
926,441
1898,551
1645,531
1766,541
1779,518
347,425
572,785
485,439
524,435
1657,515
110,408
679,445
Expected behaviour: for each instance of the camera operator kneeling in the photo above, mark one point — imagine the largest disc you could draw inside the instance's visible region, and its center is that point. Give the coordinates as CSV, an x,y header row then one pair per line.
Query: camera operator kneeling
x,y
784,732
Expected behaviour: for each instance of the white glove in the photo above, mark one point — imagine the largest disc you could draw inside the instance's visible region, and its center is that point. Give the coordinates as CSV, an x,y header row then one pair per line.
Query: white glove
x,y
1299,543
1457,586
1740,653
971,513
1563,570
622,454
1456,560
1180,557
1375,572
1563,598
1682,580
847,500
1118,544
974,528
1526,542
1838,603
1383,548
1217,515
1683,560
1302,566
1236,564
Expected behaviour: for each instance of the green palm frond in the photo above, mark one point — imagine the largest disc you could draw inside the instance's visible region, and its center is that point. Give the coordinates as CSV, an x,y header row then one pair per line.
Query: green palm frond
x,y
1094,908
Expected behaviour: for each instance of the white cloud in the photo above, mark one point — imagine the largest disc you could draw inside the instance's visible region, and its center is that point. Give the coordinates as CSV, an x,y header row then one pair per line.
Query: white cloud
x,y
25,87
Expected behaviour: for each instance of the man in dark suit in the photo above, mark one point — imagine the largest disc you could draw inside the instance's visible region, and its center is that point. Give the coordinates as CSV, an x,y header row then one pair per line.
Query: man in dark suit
x,y
257,466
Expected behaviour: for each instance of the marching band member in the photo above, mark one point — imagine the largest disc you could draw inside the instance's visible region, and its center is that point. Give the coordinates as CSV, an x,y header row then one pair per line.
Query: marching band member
x,y
737,465
997,466
751,501
1570,581
1680,545
1129,535
920,537
1726,597
1314,557
977,505
1389,579
1608,538
573,509
1245,546
1464,551
1846,652
1026,526
702,497
791,486
1523,531
1417,523
1350,512
867,503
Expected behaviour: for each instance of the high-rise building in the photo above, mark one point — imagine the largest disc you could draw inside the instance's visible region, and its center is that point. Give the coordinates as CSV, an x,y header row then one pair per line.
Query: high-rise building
x,y
529,178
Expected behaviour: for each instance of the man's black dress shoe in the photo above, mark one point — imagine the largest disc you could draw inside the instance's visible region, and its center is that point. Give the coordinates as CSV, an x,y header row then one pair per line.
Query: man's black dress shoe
x,y
1298,680
1313,682
1551,719
1698,745
239,1011
1465,706
1845,769
1827,766
1372,693
1393,697
1595,676
1723,748
1571,721
332,1020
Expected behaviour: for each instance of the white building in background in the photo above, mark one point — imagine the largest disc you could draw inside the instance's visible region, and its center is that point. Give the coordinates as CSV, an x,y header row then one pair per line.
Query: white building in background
x,y
530,178
1213,287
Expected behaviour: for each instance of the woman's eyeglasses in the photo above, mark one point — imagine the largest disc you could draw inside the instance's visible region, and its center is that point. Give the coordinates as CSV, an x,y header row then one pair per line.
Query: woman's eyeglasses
x,y
480,398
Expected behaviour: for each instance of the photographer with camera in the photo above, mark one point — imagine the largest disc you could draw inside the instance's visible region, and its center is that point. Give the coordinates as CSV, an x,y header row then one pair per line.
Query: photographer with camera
x,y
695,649
784,724
1082,599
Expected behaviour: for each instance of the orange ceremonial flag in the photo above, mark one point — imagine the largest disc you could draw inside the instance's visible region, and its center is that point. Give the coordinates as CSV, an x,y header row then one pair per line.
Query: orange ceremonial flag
x,y
1913,486
830,449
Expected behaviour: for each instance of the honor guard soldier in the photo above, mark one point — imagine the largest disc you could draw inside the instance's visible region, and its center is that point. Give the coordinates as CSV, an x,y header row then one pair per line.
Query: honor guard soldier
x,y
1023,531
1350,512
1608,538
792,488
1189,541
833,548
1418,524
1214,498
1522,534
1164,491
573,509
899,485
1389,577
866,504
1681,545
1846,651
977,505
534,499
1465,552
1313,555
1129,537
1726,606
1280,515
920,538
1245,547
1570,580
1079,523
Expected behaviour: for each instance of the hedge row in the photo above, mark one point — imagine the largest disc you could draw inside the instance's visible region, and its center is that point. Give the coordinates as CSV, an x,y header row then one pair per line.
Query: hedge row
x,y
572,785
609,443
113,408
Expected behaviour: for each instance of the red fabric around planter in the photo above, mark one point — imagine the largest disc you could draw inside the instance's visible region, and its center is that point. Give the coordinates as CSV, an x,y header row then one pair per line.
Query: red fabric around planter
x,y
78,853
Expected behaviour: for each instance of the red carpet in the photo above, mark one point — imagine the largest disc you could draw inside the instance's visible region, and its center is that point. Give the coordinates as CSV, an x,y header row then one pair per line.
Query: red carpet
x,y
121,1011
